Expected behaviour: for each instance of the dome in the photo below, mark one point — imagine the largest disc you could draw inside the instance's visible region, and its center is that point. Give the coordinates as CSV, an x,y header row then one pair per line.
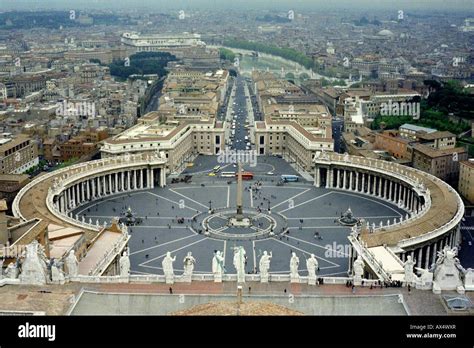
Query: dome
x,y
385,32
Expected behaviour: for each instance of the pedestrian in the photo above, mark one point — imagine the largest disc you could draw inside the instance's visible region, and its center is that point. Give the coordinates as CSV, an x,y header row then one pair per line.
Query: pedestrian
x,y
409,288
353,289
250,289
284,291
171,290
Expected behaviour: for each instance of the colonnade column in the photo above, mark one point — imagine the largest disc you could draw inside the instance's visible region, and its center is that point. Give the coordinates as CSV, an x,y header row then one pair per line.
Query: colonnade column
x,y
435,251
427,257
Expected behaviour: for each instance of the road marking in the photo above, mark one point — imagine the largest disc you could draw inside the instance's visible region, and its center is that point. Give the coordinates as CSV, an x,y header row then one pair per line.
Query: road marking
x,y
143,264
163,227
251,197
305,252
319,246
169,200
368,199
315,227
338,217
310,200
228,196
159,245
109,199
293,197
192,200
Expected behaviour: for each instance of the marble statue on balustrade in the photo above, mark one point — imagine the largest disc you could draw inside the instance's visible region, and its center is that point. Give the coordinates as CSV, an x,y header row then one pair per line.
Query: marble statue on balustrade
x,y
469,279
425,280
240,260
218,266
167,265
57,273
264,266
124,263
34,268
448,271
312,266
72,264
294,263
410,276
12,271
188,265
358,267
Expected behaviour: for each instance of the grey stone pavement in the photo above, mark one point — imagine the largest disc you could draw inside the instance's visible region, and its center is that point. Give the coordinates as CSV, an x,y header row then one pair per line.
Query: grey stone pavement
x,y
317,208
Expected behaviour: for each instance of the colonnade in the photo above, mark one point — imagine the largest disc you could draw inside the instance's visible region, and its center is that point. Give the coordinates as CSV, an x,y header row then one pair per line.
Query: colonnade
x,y
105,184
371,183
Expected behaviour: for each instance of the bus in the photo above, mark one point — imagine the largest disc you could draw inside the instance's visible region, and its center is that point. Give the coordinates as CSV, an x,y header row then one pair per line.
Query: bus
x,y
228,174
289,178
216,169
245,175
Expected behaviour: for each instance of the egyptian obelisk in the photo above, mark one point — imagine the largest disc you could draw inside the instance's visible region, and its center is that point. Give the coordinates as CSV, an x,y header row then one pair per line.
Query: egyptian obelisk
x,y
239,215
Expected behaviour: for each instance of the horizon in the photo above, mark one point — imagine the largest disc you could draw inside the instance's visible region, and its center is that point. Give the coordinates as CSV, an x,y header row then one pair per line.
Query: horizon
x,y
164,5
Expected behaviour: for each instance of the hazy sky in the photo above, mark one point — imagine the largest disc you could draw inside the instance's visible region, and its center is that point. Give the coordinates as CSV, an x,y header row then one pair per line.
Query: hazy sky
x,y
241,4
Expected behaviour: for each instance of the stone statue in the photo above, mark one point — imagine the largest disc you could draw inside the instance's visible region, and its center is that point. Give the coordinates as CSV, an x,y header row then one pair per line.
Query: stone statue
x,y
410,276
448,270
34,269
71,264
312,266
124,264
469,279
11,271
218,266
425,279
167,265
57,274
294,263
239,263
189,262
358,267
264,266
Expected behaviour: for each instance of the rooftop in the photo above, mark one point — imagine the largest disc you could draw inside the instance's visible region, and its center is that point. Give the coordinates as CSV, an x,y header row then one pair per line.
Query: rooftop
x,y
417,128
431,152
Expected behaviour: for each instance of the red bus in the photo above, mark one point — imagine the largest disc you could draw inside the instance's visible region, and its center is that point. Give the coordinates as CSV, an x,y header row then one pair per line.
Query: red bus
x,y
245,175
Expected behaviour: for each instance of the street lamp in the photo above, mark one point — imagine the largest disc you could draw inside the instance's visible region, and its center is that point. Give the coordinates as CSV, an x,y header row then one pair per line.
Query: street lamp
x,y
210,207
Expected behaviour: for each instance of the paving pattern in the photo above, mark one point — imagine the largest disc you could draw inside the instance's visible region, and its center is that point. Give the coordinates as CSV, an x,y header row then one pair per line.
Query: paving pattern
x,y
311,214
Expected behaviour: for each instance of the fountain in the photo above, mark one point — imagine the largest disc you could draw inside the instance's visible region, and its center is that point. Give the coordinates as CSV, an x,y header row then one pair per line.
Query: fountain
x,y
129,218
348,218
